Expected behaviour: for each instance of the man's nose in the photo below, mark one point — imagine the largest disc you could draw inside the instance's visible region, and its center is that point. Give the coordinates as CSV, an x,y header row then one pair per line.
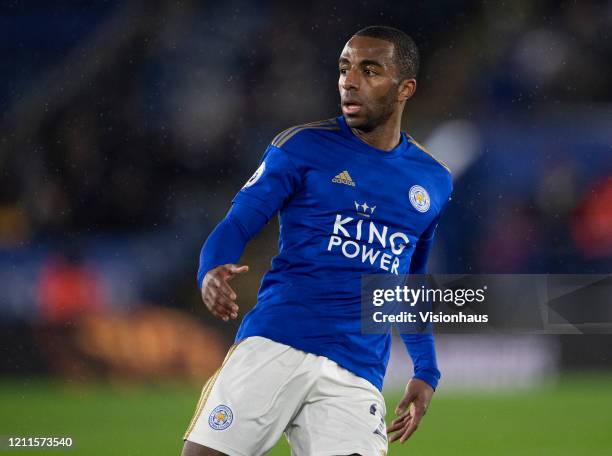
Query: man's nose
x,y
351,80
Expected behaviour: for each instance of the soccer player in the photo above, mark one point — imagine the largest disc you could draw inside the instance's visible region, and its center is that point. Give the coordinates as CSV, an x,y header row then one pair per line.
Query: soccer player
x,y
356,195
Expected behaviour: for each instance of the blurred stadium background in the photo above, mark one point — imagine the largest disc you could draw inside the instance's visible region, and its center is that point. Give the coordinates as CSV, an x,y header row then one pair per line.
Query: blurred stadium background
x,y
127,127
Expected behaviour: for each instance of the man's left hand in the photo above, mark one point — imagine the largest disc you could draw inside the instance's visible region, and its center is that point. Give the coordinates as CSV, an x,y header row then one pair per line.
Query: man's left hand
x,y
410,410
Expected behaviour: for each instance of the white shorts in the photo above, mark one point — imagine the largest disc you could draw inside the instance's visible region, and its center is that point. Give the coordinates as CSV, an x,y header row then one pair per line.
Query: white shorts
x,y
265,388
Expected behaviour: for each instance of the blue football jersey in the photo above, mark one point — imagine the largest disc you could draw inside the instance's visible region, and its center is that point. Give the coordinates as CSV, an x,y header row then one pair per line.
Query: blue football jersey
x,y
346,209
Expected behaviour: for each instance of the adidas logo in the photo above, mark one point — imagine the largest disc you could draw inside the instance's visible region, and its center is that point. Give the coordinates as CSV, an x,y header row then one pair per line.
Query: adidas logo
x,y
344,178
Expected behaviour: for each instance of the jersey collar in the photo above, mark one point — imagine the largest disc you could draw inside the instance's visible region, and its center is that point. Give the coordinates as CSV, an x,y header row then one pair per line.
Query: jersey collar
x,y
364,147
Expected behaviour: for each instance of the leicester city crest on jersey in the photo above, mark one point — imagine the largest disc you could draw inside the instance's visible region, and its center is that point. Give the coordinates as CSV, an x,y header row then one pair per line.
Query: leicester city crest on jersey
x,y
221,417
256,175
419,198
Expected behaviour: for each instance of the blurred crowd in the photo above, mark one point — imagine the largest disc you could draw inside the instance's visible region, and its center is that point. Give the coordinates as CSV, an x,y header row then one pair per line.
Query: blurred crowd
x,y
128,126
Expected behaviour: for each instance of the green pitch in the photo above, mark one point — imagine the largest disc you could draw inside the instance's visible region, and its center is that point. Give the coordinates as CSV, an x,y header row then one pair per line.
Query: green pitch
x,y
572,418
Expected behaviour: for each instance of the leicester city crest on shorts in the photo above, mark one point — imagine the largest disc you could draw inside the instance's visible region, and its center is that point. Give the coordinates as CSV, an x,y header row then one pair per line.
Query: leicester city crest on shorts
x,y
419,198
221,417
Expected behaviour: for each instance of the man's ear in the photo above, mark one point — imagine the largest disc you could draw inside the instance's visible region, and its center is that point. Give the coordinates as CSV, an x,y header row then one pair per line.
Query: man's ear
x,y
406,89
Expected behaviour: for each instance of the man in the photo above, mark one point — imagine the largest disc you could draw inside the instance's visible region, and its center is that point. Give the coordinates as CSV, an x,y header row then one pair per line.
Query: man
x,y
356,196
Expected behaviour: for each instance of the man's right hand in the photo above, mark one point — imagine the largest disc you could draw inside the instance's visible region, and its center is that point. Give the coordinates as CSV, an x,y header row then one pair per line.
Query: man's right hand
x,y
217,295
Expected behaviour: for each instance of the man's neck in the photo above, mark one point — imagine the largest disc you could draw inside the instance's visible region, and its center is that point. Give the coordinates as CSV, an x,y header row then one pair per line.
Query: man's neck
x,y
384,137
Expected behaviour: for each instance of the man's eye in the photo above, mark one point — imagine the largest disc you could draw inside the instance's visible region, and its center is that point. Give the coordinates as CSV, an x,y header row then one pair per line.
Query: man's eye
x,y
370,73
342,70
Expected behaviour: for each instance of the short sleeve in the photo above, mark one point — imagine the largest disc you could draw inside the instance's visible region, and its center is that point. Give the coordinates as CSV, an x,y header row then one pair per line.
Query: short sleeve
x,y
272,185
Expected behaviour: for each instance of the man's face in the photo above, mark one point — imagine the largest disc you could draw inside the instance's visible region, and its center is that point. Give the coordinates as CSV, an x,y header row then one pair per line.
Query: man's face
x,y
368,82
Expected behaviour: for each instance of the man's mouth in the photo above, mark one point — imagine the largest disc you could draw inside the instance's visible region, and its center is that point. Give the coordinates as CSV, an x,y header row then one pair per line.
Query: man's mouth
x,y
349,107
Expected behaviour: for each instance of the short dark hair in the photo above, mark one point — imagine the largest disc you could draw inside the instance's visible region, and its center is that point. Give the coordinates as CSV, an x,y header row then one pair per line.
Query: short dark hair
x,y
406,53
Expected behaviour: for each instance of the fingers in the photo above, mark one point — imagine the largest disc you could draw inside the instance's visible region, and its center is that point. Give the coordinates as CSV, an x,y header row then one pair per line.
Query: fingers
x,y
218,296
404,404
217,311
224,288
234,269
410,411
413,425
223,302
398,423
222,313
220,305
219,314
